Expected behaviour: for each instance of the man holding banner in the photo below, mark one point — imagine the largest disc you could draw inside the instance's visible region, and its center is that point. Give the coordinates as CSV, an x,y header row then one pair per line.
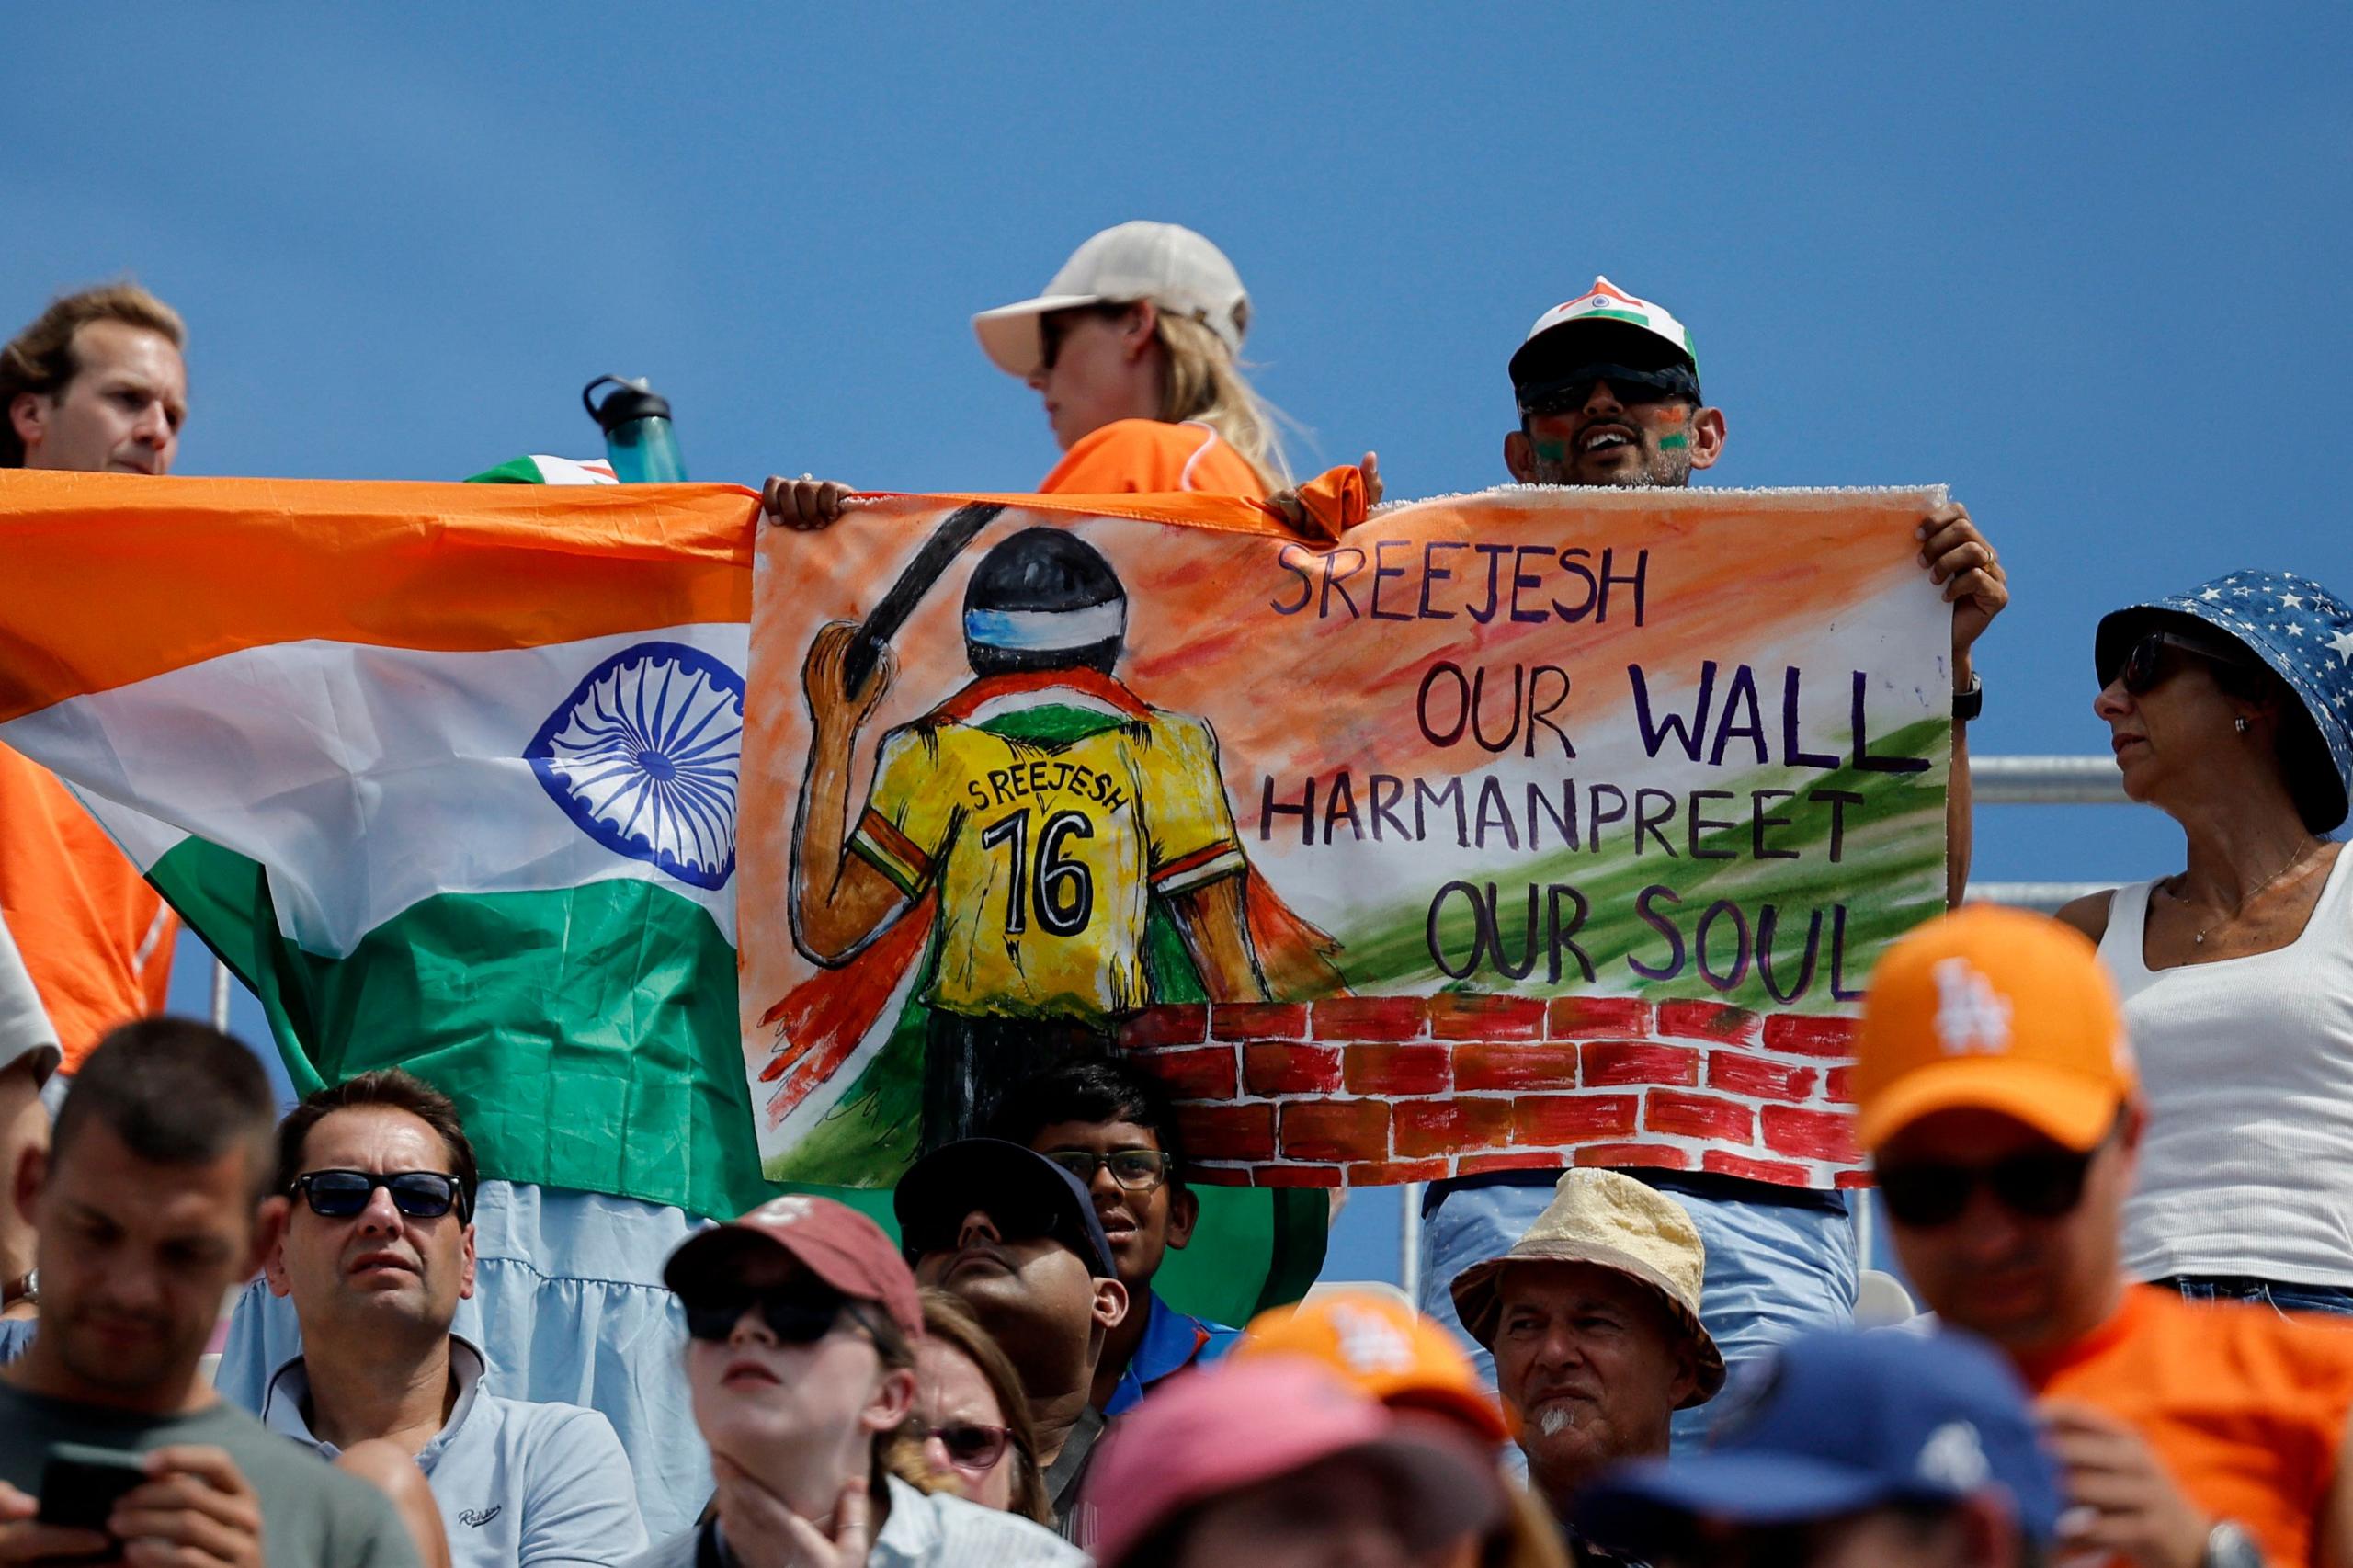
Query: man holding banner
x,y
1607,387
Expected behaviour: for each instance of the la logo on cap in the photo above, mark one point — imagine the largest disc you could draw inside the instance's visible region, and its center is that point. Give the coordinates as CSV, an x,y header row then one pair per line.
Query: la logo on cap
x,y
1370,1343
1971,1014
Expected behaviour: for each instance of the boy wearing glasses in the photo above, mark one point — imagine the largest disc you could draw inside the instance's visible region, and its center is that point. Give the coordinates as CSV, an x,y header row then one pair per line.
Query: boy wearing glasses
x,y
377,1252
1115,1129
1998,1097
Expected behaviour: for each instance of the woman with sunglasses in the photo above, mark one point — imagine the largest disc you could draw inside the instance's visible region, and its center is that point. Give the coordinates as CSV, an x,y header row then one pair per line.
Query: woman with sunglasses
x,y
803,1327
972,1419
2227,708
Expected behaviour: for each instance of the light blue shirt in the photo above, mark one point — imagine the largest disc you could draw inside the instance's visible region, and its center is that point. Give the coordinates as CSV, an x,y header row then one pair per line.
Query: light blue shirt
x,y
923,1531
520,1484
16,1334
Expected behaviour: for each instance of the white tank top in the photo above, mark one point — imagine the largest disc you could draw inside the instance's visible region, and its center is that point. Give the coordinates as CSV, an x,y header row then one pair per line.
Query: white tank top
x,y
2248,1066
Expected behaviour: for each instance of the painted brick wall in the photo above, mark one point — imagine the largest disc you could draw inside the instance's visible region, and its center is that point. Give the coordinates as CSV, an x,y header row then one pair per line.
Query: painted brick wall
x,y
1359,1091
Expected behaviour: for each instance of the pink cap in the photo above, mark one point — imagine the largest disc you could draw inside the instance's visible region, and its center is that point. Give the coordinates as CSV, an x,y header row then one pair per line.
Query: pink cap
x,y
1239,1423
832,1241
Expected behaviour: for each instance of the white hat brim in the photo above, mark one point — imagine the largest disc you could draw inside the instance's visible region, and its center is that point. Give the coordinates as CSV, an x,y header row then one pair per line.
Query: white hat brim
x,y
1011,335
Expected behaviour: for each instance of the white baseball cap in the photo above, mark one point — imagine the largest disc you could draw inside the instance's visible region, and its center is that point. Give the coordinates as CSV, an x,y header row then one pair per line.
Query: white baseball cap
x,y
1603,303
1166,263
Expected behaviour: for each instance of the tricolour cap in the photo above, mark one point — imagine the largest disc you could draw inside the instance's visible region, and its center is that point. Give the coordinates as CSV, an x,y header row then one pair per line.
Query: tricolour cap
x,y
1237,1423
1991,1009
1383,1346
832,1241
1833,1424
1604,323
1613,1221
1013,1184
1166,263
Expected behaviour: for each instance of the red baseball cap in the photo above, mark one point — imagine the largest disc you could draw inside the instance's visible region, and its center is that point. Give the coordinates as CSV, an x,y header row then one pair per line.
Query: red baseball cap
x,y
1239,1423
832,1241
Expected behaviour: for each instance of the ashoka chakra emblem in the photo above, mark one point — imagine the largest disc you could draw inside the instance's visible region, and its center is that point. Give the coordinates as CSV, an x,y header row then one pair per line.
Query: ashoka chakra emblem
x,y
642,755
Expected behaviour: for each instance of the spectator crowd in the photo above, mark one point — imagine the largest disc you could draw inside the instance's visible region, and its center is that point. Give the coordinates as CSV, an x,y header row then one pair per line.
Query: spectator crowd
x,y
2114,1151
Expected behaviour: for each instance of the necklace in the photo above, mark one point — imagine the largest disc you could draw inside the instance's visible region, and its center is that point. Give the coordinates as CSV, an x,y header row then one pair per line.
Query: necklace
x,y
2174,890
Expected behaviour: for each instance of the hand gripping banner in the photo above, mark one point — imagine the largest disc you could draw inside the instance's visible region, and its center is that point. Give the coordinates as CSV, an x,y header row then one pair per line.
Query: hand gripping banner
x,y
1517,828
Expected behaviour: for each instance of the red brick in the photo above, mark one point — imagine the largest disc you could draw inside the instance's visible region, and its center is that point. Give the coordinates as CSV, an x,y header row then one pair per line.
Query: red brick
x,y
1480,1165
1398,1069
1737,1073
1390,1174
1370,1017
1179,1023
1207,1073
1698,1116
1854,1178
1229,1132
1809,1037
1258,1020
1659,1156
1554,1121
1298,1175
1460,1016
1217,1175
1432,1128
1516,1066
1839,1086
1708,1020
1810,1134
1292,1069
1585,1017
1629,1061
1773,1171
1335,1130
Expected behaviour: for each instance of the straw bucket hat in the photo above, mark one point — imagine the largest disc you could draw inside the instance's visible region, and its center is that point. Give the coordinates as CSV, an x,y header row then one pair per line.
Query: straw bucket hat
x,y
1611,1221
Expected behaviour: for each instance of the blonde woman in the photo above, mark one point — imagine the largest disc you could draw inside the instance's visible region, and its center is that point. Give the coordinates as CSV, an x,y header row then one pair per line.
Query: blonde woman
x,y
1136,347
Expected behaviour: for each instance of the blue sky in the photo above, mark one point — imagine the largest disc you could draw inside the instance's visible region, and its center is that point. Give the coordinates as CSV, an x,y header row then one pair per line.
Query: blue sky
x,y
2085,264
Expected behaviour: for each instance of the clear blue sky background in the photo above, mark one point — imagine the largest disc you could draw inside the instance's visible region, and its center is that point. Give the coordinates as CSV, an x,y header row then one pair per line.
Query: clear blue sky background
x,y
2087,264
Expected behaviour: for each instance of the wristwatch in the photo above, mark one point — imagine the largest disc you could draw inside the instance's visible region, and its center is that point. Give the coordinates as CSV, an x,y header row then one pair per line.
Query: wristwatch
x,y
1967,705
2228,1546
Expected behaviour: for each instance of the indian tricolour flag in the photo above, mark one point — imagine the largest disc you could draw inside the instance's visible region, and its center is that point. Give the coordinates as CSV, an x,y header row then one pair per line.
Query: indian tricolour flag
x,y
446,773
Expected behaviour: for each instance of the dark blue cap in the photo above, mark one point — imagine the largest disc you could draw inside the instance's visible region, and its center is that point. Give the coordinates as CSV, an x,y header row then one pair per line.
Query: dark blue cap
x,y
1018,1187
1836,1422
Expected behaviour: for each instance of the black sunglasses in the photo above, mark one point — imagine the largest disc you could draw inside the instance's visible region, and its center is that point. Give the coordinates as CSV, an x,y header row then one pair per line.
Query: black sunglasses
x,y
1054,325
2039,1185
1135,1170
795,1317
969,1444
2140,670
1565,395
420,1195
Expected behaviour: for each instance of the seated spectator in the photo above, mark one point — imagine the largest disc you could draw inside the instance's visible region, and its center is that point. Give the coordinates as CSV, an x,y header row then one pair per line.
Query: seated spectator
x,y
1994,1091
1383,1347
2226,707
801,1362
1013,1236
1593,1319
377,1252
1115,1129
971,1420
1842,1451
29,1055
1277,1463
154,1200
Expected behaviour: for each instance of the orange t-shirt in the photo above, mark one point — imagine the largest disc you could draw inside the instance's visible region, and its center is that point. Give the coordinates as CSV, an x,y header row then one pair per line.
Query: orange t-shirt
x,y
2245,1407
1152,456
96,939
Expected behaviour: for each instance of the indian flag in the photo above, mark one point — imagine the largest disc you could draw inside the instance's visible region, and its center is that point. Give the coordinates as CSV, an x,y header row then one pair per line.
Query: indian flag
x,y
446,773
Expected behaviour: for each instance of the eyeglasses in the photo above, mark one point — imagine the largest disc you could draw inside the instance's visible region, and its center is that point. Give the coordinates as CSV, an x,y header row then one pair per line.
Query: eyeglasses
x,y
2140,671
969,1444
795,1317
1565,395
1135,1170
419,1195
1055,326
2039,1185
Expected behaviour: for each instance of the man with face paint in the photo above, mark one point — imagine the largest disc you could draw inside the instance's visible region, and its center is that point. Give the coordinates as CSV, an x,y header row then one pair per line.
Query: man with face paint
x,y
1607,389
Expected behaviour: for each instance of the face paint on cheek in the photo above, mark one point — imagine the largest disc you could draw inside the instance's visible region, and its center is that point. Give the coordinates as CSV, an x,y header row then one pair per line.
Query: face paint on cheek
x,y
1552,451
1674,414
1673,443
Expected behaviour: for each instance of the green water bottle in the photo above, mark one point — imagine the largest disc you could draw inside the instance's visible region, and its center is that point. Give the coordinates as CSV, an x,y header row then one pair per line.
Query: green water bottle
x,y
639,441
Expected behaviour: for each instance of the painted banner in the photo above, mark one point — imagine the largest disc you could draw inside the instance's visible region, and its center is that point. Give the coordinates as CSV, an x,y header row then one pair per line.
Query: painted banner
x,y
1506,828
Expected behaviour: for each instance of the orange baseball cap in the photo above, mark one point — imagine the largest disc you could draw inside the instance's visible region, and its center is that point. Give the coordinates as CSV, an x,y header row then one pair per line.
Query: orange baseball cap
x,y
1383,1347
1993,1009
